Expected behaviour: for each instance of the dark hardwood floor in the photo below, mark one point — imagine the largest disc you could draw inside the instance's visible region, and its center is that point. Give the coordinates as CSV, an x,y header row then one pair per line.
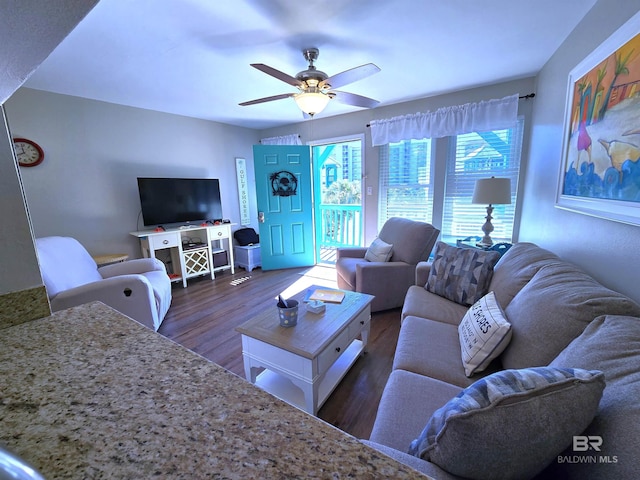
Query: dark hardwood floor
x,y
204,315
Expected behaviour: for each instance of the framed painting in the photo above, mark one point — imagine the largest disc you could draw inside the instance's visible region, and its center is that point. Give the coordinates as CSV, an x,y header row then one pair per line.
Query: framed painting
x,y
600,175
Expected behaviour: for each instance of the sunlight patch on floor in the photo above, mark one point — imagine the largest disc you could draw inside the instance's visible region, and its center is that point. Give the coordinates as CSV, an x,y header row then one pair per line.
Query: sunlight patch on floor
x,y
323,272
318,276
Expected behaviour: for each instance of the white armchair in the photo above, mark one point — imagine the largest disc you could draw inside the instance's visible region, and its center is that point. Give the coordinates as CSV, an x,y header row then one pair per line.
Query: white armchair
x,y
140,288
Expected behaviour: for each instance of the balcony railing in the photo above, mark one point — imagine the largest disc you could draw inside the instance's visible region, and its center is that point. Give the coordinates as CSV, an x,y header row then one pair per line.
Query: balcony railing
x,y
340,226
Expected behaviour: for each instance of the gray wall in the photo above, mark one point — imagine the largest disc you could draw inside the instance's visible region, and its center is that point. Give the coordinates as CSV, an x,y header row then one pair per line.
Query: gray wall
x,y
86,187
29,31
19,265
318,129
608,250
94,151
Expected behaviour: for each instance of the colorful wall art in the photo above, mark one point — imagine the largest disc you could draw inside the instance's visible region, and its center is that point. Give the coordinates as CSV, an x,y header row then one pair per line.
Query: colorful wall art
x,y
601,150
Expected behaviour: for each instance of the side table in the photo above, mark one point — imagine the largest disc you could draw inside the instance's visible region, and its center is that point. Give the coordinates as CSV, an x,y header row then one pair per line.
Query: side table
x,y
471,242
102,260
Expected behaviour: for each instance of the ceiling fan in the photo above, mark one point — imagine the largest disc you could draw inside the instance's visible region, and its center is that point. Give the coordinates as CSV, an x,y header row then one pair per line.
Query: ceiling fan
x,y
316,88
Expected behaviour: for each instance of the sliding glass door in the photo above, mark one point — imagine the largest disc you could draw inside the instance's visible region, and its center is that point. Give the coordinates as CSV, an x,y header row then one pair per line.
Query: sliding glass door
x,y
337,172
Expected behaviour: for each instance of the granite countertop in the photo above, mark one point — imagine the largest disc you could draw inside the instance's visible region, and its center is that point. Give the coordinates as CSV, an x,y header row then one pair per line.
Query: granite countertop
x,y
90,393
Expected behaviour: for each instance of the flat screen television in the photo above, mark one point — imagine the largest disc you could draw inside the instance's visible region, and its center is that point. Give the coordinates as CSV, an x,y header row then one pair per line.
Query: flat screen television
x,y
179,200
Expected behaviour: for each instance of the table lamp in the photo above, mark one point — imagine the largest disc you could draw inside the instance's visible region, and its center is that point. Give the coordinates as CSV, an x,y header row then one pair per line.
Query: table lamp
x,y
491,191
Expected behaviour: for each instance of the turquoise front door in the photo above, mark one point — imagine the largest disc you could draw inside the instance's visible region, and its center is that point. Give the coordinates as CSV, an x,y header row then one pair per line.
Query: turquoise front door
x,y
285,205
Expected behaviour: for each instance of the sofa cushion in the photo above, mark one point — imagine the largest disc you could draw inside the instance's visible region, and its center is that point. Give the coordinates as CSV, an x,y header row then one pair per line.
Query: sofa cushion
x,y
420,303
407,401
553,309
611,344
346,272
432,349
515,268
428,468
461,274
511,424
484,333
379,251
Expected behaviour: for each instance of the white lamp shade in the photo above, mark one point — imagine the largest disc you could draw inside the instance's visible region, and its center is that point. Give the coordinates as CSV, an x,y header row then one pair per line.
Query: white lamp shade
x,y
492,191
311,102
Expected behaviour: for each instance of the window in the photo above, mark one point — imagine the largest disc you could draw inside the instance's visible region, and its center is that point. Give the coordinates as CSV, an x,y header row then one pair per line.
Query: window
x,y
473,156
405,181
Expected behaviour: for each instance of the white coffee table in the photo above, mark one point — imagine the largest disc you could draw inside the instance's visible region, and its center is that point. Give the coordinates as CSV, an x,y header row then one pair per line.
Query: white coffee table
x,y
304,364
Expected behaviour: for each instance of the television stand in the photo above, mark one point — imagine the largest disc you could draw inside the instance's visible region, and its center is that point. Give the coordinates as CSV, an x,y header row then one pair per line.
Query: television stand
x,y
192,261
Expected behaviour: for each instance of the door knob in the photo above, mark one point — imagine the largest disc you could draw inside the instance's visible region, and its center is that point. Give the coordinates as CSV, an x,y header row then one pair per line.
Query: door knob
x,y
261,217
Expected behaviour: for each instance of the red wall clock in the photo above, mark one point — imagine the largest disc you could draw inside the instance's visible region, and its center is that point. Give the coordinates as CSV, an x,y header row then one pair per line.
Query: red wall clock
x,y
28,152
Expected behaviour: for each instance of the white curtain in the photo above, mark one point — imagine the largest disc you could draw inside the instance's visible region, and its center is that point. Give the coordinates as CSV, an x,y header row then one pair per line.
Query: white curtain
x,y
472,117
292,139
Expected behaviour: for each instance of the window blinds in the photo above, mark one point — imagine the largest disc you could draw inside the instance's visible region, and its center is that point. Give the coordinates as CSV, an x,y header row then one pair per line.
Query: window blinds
x,y
405,181
480,155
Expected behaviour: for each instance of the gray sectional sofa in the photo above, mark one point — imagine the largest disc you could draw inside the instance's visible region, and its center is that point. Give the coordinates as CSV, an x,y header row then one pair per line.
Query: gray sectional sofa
x,y
560,319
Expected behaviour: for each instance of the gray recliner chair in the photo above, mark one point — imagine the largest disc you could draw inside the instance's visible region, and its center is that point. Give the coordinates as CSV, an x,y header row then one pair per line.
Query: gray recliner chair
x,y
138,288
389,281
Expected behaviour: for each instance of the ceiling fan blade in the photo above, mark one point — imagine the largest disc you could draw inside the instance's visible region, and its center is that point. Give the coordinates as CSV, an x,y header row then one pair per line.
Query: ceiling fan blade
x,y
349,76
277,74
353,99
267,99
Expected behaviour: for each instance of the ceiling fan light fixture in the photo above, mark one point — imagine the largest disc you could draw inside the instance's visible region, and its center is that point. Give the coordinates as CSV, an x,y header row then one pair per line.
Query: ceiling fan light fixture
x,y
312,102
315,88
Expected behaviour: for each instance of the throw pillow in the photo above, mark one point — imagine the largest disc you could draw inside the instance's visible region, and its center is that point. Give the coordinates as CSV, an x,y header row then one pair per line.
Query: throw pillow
x,y
461,275
379,251
511,424
484,333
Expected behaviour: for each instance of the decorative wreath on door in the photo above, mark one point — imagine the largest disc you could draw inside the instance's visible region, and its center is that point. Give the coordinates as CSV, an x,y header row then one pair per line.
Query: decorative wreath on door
x,y
283,184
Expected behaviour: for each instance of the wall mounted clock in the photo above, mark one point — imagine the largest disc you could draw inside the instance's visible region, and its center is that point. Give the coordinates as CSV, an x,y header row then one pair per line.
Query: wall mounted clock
x,y
28,152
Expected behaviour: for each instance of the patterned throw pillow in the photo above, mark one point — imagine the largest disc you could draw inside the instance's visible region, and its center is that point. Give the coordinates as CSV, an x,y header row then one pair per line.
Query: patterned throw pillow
x,y
484,334
511,424
461,275
379,251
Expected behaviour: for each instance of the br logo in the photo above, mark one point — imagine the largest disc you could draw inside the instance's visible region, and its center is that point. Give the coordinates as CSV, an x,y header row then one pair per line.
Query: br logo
x,y
584,443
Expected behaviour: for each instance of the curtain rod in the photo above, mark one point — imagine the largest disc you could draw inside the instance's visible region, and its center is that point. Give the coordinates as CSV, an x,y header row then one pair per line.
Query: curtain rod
x,y
521,97
260,141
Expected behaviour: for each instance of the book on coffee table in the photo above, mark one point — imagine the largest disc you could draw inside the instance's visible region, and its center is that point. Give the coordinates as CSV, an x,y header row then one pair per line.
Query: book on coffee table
x,y
327,295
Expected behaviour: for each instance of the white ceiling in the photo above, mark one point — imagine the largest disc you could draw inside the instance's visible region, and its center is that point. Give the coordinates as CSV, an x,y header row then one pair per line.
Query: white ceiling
x,y
191,57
